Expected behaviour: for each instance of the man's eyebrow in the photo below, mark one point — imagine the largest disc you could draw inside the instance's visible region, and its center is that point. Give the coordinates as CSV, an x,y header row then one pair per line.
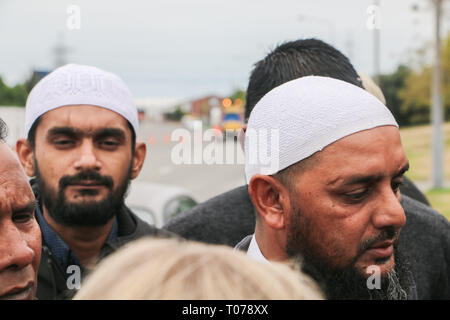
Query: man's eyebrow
x,y
76,133
363,179
67,131
110,132
29,207
367,179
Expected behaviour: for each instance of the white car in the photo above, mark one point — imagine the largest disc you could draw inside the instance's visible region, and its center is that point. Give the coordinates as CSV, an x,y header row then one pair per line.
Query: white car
x,y
189,121
156,203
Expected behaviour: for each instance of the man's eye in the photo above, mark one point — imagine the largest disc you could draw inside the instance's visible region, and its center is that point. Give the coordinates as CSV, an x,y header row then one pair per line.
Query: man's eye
x,y
108,143
63,142
396,186
355,196
22,217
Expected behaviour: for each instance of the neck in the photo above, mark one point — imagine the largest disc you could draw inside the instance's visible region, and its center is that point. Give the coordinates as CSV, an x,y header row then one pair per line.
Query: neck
x,y
270,244
85,242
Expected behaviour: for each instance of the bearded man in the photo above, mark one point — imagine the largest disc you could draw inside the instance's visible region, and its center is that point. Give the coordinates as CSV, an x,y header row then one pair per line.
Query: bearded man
x,y
81,126
228,217
324,163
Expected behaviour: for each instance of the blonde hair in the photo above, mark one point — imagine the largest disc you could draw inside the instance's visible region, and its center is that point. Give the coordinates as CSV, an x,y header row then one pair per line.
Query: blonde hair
x,y
170,269
370,86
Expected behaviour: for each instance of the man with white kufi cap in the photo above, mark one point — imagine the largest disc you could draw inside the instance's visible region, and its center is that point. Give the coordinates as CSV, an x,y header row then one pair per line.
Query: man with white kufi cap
x,y
81,126
324,162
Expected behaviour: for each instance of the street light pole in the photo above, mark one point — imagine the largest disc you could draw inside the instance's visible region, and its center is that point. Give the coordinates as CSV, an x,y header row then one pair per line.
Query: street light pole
x,y
437,113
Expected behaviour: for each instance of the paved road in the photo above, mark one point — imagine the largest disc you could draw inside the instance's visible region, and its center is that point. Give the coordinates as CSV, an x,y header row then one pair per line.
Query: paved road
x,y
203,180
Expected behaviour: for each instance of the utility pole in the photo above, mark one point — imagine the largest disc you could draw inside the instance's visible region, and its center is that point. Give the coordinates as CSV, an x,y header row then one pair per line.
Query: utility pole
x,y
60,51
437,142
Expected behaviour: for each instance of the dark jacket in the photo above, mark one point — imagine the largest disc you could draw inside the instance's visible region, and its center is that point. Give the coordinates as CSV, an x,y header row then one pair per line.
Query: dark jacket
x,y
425,238
52,283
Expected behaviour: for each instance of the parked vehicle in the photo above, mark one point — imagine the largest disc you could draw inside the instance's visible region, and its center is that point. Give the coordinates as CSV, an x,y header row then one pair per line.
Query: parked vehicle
x,y
232,121
157,203
189,121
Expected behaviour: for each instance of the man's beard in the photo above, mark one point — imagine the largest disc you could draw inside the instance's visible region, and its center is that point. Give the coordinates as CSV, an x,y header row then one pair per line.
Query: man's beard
x,y
83,213
346,282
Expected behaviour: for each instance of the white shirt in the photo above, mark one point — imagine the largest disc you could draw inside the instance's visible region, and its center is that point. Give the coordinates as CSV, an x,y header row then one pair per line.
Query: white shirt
x,y
254,252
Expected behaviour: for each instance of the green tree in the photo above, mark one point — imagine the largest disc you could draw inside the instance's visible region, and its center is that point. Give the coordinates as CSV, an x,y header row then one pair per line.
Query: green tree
x,y
12,96
391,84
176,115
416,94
238,94
32,81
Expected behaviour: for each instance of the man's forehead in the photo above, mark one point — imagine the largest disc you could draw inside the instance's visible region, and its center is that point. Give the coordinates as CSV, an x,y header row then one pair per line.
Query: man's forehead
x,y
14,186
376,153
83,117
9,163
383,135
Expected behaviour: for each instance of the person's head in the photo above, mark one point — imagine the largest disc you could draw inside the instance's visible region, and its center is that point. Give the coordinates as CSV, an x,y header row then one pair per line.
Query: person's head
x,y
20,236
295,59
330,192
81,124
292,60
169,269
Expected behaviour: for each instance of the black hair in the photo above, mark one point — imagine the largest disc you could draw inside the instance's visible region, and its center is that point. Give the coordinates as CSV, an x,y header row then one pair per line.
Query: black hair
x,y
3,130
32,135
296,59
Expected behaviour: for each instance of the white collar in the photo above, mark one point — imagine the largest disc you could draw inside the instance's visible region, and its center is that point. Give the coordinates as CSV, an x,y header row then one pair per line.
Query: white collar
x,y
254,252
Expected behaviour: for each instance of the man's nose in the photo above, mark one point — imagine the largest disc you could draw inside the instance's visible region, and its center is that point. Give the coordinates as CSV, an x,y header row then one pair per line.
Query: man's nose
x,y
14,250
389,212
87,158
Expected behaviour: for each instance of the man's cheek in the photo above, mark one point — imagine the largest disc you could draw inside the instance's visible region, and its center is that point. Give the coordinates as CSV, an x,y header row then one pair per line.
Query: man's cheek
x,y
33,240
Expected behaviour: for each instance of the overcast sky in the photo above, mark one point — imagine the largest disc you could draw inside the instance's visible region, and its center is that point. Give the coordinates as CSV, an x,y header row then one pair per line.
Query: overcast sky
x,y
191,48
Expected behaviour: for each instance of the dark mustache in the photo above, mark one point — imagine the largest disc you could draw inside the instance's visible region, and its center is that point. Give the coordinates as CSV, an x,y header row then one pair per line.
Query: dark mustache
x,y
89,175
389,233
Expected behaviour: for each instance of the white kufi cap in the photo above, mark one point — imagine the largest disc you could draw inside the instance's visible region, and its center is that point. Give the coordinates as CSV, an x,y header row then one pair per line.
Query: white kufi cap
x,y
74,84
303,116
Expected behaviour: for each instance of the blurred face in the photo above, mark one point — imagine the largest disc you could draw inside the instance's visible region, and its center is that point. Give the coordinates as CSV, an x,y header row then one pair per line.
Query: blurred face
x,y
347,211
20,236
83,163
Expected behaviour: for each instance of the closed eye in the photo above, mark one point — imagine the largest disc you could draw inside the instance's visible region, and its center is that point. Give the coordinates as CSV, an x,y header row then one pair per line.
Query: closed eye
x,y
63,142
108,144
24,214
358,195
396,185
22,217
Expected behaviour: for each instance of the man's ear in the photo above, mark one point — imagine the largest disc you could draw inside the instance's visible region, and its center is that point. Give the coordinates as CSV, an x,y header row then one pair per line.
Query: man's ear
x,y
26,156
140,152
271,199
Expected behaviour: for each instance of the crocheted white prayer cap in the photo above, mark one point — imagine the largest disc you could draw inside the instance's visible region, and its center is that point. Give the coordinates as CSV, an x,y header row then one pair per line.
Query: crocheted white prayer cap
x,y
74,84
295,120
